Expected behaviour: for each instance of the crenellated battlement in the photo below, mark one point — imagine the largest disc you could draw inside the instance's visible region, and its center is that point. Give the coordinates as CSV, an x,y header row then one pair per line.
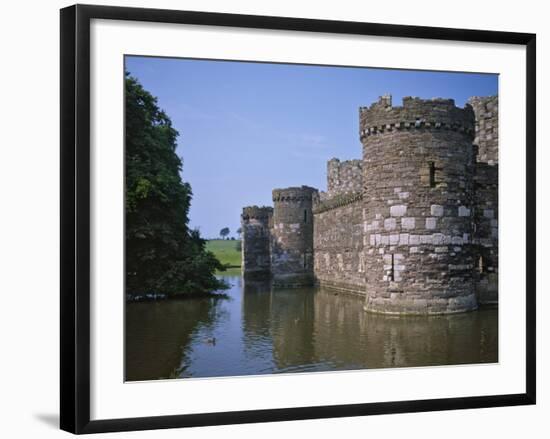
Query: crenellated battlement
x,y
416,113
257,212
302,193
337,201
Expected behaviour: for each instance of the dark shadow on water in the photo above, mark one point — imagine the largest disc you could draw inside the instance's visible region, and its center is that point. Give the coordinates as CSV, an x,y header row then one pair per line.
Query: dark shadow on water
x,y
159,333
49,419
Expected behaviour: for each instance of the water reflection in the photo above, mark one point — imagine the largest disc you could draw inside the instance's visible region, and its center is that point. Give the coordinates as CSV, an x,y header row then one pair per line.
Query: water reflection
x,y
260,330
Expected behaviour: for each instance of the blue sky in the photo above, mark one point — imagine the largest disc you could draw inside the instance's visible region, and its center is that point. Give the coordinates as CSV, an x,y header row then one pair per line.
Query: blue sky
x,y
246,128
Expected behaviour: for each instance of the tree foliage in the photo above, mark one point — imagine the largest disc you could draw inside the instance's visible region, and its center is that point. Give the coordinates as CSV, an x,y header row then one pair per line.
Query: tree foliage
x,y
224,232
163,256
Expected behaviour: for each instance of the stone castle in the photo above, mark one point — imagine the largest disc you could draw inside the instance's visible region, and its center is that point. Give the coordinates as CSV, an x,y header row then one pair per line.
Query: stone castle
x,y
412,226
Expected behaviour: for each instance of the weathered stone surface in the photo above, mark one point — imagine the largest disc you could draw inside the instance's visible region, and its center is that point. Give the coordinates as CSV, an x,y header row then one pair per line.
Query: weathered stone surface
x,y
340,232
398,210
403,159
436,210
431,223
256,225
408,223
485,237
390,223
486,128
292,236
344,177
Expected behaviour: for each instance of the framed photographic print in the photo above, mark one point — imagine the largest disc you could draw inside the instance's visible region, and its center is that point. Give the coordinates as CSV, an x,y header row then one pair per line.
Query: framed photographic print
x,y
268,218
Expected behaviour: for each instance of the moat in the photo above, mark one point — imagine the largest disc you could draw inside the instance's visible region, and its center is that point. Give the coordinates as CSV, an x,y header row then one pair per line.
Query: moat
x,y
263,331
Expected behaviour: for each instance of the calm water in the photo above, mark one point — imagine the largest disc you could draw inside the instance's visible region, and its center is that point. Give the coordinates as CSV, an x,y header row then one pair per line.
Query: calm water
x,y
260,330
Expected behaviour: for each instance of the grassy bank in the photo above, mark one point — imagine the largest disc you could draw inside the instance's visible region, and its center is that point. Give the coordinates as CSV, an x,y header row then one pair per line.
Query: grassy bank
x,y
226,251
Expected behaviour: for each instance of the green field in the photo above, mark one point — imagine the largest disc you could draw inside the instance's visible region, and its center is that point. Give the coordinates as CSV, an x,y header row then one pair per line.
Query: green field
x,y
226,251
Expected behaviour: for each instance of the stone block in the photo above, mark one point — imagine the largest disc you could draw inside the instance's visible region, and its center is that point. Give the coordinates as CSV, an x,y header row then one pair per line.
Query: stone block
x,y
408,223
390,224
414,239
431,223
436,210
427,239
438,238
398,210
463,211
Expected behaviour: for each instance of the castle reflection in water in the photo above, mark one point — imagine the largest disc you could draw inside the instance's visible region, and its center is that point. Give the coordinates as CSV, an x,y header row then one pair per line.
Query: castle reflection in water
x,y
324,330
260,330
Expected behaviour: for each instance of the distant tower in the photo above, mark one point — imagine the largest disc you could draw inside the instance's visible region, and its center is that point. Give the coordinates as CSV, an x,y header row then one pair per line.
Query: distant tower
x,y
418,164
486,197
292,236
255,225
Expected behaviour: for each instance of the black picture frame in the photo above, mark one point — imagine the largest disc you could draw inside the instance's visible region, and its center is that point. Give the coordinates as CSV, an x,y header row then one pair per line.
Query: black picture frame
x,y
75,217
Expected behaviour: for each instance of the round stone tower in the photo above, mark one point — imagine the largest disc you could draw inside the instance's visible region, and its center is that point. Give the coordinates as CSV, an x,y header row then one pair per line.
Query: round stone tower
x,y
256,225
292,236
418,164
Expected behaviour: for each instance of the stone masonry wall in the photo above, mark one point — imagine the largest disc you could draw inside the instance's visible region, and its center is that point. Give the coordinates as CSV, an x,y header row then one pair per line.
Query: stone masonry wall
x,y
486,134
344,177
486,197
338,245
292,236
418,164
486,232
256,232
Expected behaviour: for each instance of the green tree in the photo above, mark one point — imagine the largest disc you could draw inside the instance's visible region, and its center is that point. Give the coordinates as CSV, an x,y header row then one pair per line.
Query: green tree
x,y
224,232
163,255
